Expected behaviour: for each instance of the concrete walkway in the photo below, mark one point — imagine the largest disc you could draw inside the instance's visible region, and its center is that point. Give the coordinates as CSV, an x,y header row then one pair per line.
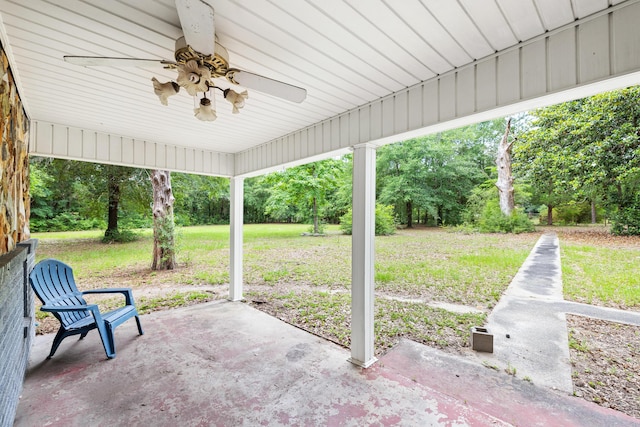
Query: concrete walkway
x,y
529,322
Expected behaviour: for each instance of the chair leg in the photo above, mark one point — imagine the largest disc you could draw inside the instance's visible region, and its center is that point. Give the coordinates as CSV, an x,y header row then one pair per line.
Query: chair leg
x,y
106,334
139,325
112,340
56,341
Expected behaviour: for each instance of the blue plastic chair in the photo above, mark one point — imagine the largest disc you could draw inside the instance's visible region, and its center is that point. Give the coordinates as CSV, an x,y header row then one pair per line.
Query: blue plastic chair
x,y
53,283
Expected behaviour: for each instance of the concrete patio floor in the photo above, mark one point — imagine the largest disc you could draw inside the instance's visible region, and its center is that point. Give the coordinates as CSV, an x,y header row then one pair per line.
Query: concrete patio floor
x,y
228,364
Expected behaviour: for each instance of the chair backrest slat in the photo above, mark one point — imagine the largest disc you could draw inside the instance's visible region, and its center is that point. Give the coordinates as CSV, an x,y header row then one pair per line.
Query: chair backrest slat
x,y
53,283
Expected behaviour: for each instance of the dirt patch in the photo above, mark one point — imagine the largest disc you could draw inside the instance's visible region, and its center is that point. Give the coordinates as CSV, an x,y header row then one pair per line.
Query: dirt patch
x,y
605,359
597,235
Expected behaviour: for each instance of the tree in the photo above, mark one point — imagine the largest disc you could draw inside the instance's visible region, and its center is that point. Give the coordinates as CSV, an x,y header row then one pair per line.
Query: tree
x,y
505,179
118,180
398,181
114,180
588,149
72,195
256,194
301,193
200,199
164,253
40,192
428,175
541,156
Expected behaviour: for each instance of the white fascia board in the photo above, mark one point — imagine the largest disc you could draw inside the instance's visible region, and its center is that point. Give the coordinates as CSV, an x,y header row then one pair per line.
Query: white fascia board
x,y
72,143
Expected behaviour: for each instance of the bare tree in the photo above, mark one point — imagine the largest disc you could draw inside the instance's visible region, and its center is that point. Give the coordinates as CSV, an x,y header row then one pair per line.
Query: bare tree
x,y
505,180
164,254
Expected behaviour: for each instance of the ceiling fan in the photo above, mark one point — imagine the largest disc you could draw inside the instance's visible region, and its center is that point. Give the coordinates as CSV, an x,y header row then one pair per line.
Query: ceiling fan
x,y
199,59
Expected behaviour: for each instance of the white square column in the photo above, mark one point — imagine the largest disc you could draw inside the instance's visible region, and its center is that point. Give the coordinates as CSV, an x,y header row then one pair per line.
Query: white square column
x,y
236,219
362,256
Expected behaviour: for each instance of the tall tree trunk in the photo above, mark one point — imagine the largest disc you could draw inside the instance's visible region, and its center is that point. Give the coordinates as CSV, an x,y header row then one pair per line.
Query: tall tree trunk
x,y
113,190
164,251
505,180
620,199
315,216
549,215
594,216
409,215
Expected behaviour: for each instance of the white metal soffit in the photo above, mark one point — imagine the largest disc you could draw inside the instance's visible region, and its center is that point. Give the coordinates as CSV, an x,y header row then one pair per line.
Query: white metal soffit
x,y
345,53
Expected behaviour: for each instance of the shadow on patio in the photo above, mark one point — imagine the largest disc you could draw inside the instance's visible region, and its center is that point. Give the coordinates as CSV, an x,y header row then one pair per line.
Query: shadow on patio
x,y
229,364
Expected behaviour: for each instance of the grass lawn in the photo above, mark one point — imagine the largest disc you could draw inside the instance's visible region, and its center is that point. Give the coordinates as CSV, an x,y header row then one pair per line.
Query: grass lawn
x,y
600,269
306,280
422,263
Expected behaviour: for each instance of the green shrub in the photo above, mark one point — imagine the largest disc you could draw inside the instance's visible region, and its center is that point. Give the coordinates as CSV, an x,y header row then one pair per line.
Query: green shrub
x,y
346,222
573,213
182,220
385,221
464,228
321,227
120,236
136,220
492,220
67,221
626,221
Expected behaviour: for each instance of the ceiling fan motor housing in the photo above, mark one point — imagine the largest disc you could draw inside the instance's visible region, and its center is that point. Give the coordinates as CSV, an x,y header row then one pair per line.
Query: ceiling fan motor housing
x,y
218,63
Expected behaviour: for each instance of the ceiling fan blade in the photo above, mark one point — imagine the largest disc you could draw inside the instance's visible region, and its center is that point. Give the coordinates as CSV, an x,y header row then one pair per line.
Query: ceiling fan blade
x,y
196,19
267,85
93,61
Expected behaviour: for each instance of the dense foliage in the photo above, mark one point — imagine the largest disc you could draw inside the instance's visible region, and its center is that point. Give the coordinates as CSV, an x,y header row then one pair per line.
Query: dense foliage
x,y
385,221
68,195
586,151
429,180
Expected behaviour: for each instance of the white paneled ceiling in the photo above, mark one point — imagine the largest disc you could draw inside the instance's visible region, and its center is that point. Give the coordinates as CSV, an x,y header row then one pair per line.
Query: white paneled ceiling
x,y
345,53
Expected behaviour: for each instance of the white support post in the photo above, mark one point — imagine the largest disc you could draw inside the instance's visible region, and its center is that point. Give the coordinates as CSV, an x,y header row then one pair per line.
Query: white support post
x,y
236,217
362,256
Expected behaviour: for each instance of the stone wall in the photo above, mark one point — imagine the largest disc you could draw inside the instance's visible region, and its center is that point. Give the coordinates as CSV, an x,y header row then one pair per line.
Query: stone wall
x,y
17,253
14,163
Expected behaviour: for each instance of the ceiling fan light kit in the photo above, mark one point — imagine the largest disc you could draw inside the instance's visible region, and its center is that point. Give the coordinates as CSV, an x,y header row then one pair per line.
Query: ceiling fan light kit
x,y
164,90
194,77
206,111
236,99
199,59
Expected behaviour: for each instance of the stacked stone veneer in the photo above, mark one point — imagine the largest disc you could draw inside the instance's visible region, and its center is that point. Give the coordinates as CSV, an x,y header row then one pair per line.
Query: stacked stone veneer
x,y
17,253
14,162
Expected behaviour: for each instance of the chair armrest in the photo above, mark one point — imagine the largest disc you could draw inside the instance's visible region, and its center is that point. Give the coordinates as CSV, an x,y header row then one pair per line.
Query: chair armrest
x,y
128,294
107,291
